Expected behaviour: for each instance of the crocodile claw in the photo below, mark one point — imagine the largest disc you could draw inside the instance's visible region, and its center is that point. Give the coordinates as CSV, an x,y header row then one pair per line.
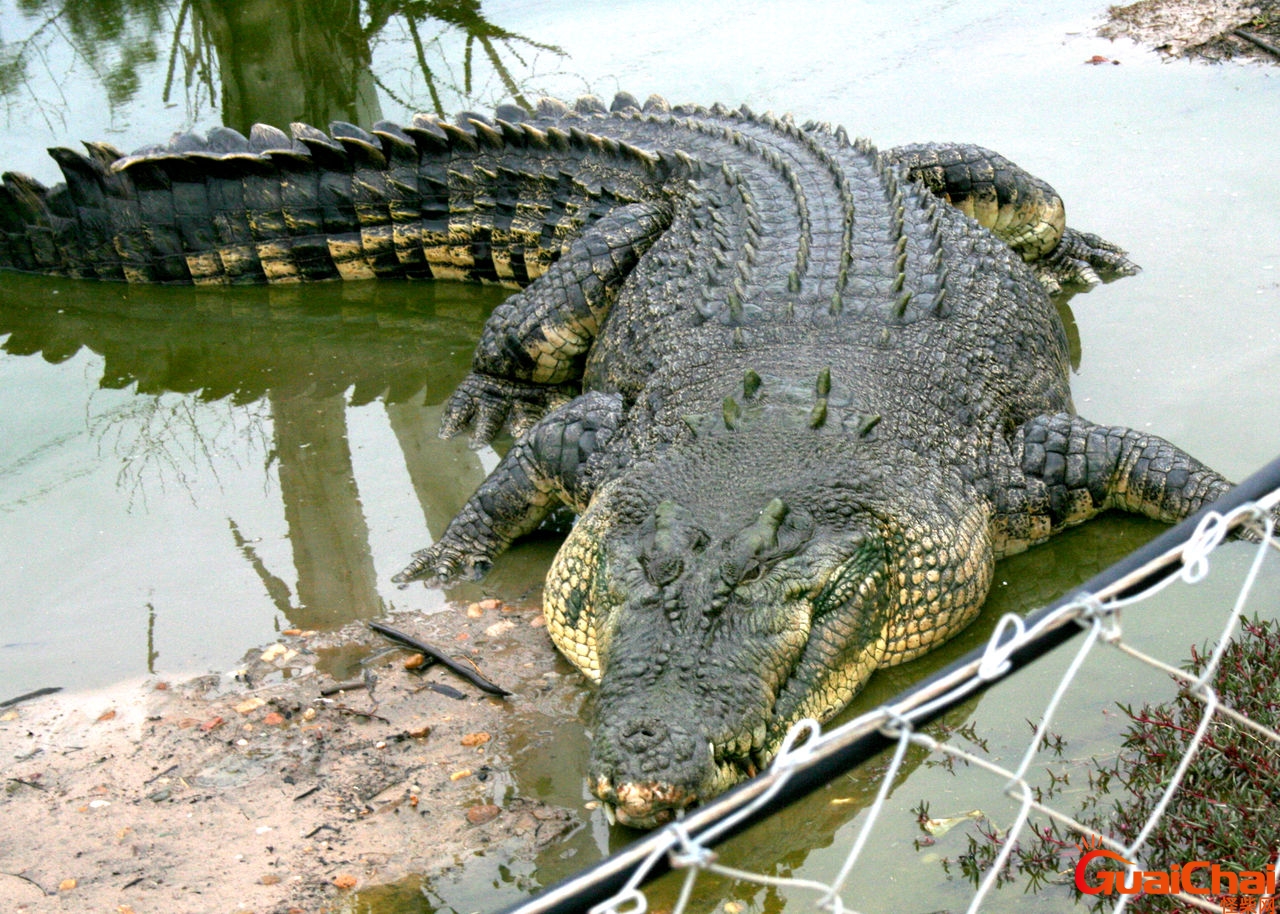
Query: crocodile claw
x,y
440,566
1083,259
486,405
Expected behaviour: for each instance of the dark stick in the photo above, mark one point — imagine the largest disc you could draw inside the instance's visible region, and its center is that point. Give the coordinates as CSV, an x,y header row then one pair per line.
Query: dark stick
x,y
351,686
1260,42
48,690
462,670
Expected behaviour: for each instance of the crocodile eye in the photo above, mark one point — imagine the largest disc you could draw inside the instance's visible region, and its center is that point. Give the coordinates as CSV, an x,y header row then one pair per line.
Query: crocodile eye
x,y
752,574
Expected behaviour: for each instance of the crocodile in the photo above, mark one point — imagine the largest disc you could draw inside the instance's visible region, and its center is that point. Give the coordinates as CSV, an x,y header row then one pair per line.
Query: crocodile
x,y
801,393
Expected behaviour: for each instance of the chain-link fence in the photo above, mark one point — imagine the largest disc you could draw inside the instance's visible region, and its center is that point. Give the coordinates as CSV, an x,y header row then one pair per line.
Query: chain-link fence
x,y
1181,814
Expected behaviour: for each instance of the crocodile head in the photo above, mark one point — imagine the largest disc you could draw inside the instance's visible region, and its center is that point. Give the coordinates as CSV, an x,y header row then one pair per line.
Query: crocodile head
x,y
727,590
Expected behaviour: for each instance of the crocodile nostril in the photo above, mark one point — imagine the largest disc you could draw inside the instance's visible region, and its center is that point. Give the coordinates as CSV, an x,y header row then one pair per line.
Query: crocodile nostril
x,y
644,735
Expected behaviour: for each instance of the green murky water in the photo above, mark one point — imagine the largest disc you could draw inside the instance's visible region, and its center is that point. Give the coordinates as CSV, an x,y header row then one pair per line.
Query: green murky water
x,y
184,473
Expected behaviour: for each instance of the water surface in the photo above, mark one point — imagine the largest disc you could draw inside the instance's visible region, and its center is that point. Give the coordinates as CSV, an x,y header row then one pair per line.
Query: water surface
x,y
185,472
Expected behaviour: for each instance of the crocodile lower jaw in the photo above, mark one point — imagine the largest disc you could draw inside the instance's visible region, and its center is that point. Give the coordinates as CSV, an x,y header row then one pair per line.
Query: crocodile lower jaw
x,y
652,804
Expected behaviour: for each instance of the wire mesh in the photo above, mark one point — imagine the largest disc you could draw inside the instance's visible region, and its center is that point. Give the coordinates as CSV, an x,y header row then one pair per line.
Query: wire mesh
x,y
811,759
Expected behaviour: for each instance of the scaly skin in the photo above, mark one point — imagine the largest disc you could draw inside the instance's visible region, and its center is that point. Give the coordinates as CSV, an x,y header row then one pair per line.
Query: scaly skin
x,y
800,403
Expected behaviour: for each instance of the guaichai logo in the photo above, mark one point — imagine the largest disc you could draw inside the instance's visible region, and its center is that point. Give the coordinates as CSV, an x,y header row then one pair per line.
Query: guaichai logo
x,y
1178,878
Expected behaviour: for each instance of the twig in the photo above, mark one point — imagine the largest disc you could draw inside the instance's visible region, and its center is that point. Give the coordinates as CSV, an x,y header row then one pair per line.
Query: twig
x,y
42,889
168,771
48,690
349,686
1258,40
446,690
462,670
358,713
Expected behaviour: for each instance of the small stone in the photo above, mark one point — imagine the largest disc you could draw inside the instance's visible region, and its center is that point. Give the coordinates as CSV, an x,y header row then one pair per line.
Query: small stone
x,y
272,653
8,716
415,661
460,774
249,705
491,603
269,879
309,714
66,885
538,621
474,611
475,739
498,629
274,719
482,813
345,881
107,715
419,732
733,907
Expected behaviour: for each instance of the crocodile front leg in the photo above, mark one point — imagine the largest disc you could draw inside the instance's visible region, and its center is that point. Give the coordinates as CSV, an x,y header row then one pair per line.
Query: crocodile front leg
x,y
533,347
561,461
1019,208
1061,470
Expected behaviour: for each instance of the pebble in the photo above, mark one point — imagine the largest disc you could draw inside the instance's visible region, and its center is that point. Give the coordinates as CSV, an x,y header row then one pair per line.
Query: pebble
x,y
415,661
482,813
250,705
498,629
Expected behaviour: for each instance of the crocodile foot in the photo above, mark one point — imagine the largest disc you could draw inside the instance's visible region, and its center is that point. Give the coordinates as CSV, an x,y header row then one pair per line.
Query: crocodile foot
x,y
486,404
1083,259
447,562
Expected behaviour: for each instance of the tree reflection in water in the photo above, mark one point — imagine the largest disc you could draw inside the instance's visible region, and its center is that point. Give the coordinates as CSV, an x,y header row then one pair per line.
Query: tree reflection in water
x,y
276,62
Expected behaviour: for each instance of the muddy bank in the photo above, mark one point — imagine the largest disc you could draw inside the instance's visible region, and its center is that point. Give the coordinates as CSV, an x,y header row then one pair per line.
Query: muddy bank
x,y
1211,31
253,793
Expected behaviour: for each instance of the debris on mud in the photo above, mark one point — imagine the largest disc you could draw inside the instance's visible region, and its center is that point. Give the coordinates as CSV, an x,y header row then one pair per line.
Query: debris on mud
x,y
252,792
1209,30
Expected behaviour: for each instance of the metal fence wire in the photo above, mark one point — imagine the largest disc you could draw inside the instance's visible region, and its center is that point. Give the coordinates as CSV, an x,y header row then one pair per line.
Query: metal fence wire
x,y
1090,618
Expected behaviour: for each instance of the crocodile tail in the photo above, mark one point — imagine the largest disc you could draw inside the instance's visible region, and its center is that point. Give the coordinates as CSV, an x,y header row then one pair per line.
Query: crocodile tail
x,y
480,199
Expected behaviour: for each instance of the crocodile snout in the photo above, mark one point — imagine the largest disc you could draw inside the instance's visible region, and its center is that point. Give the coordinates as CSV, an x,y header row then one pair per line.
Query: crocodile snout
x,y
647,769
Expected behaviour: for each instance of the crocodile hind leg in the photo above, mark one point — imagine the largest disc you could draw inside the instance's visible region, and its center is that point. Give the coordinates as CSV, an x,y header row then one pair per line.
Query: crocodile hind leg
x,y
533,347
560,461
1062,470
1019,208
